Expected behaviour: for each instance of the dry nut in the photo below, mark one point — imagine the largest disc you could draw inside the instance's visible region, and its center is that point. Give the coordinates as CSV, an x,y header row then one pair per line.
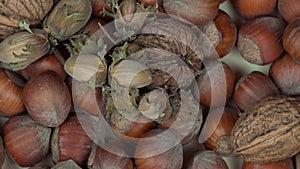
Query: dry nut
x,y
14,12
269,131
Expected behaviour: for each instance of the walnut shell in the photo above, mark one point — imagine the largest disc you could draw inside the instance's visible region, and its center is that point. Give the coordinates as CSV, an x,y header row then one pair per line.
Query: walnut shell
x,y
15,11
269,131
175,37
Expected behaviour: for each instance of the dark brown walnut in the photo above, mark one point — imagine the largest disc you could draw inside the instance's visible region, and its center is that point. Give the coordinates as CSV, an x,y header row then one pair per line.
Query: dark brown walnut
x,y
14,12
176,37
180,40
269,131
195,11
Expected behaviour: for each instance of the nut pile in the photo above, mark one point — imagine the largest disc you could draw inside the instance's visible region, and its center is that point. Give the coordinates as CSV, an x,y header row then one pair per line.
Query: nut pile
x,y
142,84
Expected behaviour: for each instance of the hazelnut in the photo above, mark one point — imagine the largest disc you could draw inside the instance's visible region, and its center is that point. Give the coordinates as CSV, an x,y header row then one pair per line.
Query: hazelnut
x,y
291,39
285,73
216,85
254,8
70,142
217,127
10,96
47,99
253,87
159,148
259,40
208,160
289,9
26,140
46,63
101,158
222,32
85,97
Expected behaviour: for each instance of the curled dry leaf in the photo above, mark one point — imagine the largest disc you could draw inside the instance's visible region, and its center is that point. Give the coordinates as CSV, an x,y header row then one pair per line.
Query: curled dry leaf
x,y
269,131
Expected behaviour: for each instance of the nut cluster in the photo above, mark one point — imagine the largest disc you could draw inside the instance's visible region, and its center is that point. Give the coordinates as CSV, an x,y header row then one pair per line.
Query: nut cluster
x,y
142,84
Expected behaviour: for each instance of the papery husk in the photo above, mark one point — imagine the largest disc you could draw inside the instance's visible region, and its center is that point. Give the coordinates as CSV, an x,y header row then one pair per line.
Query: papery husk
x,y
23,48
67,18
155,105
130,73
87,67
13,12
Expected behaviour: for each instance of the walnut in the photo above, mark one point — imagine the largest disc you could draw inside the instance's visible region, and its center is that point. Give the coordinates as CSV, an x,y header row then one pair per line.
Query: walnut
x,y
166,39
269,131
14,12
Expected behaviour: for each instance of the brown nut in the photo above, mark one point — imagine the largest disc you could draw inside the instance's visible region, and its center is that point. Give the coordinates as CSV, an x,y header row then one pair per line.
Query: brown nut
x,y
208,160
70,142
211,84
253,87
289,9
254,8
291,39
222,32
47,100
100,158
269,131
86,98
285,73
259,40
156,153
26,140
10,96
215,134
46,63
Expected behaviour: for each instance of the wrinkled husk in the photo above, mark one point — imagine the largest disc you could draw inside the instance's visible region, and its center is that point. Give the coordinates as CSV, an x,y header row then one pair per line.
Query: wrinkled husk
x,y
129,73
270,131
87,67
15,11
67,18
23,48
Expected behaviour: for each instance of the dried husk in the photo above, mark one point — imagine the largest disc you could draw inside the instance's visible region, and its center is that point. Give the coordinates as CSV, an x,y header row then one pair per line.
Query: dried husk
x,y
270,131
87,67
130,73
23,48
155,105
67,18
13,12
